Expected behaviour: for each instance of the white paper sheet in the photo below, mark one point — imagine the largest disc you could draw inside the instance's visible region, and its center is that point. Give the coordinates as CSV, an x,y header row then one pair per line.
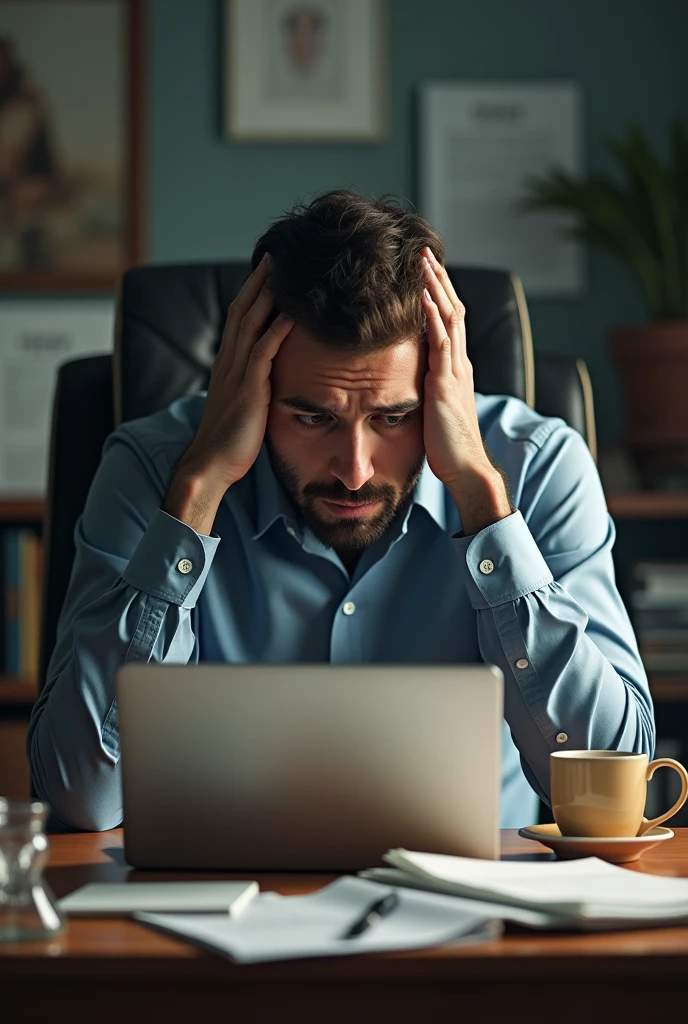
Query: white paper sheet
x,y
588,889
479,141
286,927
35,338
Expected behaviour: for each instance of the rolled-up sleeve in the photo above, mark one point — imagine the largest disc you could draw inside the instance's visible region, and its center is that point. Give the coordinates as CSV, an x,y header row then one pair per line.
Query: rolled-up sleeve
x,y
136,577
550,615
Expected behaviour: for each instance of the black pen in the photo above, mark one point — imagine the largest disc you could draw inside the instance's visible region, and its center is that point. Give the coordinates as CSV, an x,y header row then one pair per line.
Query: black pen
x,y
380,908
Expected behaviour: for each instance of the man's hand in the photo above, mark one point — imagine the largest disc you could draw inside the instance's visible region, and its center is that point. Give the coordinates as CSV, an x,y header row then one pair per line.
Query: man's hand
x,y
453,442
232,428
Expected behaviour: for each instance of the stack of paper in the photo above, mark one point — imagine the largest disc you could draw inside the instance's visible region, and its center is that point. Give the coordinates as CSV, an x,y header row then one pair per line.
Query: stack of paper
x,y
586,893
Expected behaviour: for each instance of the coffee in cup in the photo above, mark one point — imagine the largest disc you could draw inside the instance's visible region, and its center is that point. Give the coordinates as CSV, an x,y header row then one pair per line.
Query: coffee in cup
x,y
603,792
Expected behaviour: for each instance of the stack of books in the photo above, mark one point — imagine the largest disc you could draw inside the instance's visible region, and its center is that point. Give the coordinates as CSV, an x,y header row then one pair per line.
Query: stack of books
x,y
659,608
21,572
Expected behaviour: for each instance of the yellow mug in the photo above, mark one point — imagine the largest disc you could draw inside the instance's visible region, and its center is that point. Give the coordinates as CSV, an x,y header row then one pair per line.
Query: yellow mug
x,y
603,792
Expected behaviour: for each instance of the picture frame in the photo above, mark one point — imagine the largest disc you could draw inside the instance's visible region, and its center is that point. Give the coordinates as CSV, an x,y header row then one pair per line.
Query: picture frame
x,y
478,142
305,70
71,143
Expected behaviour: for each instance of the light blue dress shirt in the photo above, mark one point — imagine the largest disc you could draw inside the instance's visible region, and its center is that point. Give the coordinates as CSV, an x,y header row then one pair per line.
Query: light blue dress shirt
x,y
533,593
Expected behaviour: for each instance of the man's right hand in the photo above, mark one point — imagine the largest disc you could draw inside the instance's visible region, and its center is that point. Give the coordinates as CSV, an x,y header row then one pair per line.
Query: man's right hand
x,y
232,427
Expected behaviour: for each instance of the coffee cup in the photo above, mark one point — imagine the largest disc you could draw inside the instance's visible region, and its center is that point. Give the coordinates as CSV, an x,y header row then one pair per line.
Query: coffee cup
x,y
603,792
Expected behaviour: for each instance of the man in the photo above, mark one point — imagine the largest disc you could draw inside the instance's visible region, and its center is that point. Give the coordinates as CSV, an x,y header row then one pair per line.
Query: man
x,y
289,515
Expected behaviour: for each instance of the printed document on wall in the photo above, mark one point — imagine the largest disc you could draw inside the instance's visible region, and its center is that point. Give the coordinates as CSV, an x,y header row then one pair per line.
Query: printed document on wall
x,y
479,143
35,338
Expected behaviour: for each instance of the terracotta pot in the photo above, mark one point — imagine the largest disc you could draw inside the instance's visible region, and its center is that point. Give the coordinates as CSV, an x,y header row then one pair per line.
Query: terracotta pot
x,y
653,360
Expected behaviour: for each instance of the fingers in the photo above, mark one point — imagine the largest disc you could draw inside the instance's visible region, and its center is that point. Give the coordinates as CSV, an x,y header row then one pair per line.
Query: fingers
x,y
266,348
439,343
238,308
451,309
250,329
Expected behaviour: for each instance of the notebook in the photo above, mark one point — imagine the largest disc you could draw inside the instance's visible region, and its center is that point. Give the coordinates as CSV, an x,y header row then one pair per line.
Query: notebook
x,y
286,927
586,893
123,898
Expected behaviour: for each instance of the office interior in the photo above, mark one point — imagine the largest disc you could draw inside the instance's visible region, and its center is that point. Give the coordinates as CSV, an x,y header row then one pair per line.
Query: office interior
x,y
193,187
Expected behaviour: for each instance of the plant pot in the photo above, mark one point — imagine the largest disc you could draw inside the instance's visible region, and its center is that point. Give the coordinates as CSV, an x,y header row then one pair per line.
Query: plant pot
x,y
653,360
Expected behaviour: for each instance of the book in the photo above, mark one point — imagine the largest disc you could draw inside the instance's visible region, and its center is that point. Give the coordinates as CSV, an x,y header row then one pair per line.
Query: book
x,y
29,610
588,893
10,601
116,899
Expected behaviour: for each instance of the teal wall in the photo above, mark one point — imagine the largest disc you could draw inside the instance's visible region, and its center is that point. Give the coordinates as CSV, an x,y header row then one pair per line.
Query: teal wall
x,y
210,198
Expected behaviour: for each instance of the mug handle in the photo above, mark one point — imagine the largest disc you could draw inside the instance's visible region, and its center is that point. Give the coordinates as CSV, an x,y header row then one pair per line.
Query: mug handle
x,y
665,762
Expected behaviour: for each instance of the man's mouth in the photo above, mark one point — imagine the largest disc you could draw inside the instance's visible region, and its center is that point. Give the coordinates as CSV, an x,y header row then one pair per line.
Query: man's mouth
x,y
349,509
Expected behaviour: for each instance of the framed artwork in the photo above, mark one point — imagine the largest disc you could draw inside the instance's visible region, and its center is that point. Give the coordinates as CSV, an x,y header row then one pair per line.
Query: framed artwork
x,y
71,143
305,70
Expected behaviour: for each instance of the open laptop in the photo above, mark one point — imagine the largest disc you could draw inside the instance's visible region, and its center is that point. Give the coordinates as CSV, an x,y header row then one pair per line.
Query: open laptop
x,y
308,767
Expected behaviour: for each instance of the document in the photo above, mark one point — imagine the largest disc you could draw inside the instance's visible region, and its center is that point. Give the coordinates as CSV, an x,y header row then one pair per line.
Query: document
x,y
479,143
587,893
287,927
35,338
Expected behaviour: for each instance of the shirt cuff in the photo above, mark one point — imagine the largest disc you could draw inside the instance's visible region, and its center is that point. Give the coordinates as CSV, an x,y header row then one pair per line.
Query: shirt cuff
x,y
502,562
171,561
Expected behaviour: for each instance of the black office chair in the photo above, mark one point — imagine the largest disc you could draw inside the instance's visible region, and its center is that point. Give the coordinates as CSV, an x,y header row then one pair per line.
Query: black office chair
x,y
168,327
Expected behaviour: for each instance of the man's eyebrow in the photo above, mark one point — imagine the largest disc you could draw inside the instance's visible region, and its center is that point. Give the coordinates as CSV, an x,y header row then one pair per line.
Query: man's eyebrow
x,y
302,404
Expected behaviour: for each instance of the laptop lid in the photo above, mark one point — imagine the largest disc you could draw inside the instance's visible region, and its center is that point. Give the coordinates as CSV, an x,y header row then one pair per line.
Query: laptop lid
x,y
324,767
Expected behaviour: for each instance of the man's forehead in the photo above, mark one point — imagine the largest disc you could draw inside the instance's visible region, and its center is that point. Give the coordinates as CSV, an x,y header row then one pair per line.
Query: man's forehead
x,y
302,359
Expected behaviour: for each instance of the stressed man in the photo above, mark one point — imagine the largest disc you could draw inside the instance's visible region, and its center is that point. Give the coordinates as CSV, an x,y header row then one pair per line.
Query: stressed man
x,y
341,494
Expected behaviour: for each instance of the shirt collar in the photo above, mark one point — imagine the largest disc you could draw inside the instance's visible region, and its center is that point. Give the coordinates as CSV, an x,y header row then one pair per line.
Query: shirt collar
x,y
272,501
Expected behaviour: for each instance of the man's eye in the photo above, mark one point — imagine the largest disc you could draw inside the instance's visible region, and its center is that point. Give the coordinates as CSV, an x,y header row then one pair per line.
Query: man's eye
x,y
399,421
311,421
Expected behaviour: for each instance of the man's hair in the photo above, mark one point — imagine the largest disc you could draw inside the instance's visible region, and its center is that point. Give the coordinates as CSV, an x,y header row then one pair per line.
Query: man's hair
x,y
348,269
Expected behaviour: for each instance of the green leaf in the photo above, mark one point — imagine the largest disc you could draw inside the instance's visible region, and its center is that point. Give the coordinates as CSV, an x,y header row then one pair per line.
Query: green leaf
x,y
641,219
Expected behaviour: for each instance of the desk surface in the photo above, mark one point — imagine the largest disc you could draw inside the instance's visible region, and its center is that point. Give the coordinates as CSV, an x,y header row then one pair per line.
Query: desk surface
x,y
131,959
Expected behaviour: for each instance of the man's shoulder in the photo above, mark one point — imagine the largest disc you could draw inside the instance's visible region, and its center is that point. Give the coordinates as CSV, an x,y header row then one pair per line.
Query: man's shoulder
x,y
509,421
162,436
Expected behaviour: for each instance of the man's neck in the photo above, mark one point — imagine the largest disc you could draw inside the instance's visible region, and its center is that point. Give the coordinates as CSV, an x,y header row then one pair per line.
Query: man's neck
x,y
349,558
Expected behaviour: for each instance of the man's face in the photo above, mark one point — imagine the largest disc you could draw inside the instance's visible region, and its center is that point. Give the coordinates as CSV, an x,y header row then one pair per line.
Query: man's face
x,y
345,434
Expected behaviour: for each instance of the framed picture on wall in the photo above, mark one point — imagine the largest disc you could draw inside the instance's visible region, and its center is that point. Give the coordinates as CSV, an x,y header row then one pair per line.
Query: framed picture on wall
x,y
71,143
305,70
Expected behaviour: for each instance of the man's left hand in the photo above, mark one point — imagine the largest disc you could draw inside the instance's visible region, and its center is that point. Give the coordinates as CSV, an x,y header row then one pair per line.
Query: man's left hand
x,y
453,443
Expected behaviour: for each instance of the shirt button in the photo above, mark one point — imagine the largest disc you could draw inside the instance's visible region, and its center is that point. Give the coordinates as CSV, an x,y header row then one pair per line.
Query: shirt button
x,y
561,737
522,663
349,608
486,566
291,531
184,565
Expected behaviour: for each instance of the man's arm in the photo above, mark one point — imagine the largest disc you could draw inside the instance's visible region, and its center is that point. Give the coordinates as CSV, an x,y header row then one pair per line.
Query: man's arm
x,y
550,615
127,600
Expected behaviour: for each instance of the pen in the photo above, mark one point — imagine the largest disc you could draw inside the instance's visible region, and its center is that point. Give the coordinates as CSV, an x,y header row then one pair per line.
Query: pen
x,y
380,908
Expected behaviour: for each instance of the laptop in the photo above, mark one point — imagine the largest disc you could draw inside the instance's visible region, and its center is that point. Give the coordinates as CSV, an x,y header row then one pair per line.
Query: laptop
x,y
307,766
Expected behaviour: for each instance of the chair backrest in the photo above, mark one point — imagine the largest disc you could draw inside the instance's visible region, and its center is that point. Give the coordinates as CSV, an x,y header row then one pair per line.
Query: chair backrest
x,y
169,323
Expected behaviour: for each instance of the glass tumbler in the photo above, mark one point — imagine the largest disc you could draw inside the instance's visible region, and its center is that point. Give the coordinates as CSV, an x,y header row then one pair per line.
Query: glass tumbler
x,y
27,906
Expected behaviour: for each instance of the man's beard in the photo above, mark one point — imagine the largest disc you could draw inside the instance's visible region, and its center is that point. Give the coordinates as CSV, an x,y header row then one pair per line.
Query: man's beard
x,y
345,534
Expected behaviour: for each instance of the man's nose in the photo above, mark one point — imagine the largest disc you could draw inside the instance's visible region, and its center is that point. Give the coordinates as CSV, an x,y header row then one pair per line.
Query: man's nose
x,y
352,463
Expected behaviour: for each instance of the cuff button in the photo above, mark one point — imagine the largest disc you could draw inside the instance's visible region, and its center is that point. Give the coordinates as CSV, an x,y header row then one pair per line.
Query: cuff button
x,y
561,737
184,565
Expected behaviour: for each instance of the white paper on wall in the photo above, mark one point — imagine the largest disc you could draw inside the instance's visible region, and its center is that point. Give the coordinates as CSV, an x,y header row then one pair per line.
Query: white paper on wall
x,y
36,337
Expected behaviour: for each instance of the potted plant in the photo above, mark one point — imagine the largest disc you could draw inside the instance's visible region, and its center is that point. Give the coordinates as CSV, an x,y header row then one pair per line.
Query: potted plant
x,y
642,220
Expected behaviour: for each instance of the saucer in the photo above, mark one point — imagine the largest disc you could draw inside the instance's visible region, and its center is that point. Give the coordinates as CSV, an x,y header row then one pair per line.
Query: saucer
x,y
615,849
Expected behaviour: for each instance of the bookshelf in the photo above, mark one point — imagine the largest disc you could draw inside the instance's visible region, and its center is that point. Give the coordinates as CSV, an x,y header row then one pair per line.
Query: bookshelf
x,y
648,504
17,694
22,510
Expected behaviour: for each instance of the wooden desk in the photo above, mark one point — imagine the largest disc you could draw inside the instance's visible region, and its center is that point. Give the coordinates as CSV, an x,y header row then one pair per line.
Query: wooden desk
x,y
119,971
